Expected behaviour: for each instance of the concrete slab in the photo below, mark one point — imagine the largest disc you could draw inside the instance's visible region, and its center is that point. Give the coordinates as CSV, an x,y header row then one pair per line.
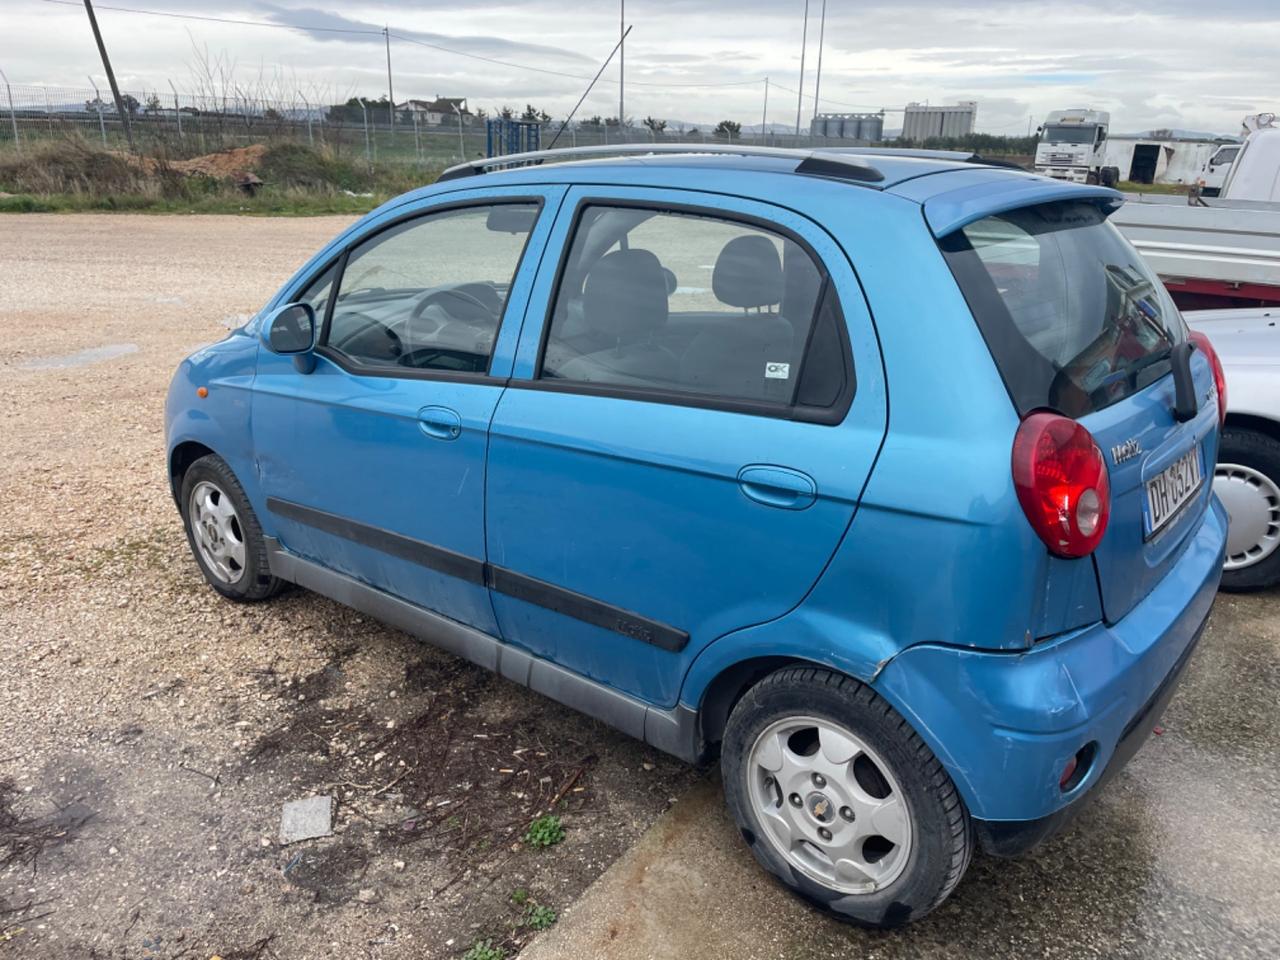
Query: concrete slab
x,y
1176,858
306,819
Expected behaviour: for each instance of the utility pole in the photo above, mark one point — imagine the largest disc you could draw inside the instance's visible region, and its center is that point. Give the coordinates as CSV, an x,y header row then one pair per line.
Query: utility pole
x,y
111,76
391,97
622,57
822,34
804,39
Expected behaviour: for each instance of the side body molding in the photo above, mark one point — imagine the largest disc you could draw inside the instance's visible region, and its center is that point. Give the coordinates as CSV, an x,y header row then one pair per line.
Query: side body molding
x,y
673,731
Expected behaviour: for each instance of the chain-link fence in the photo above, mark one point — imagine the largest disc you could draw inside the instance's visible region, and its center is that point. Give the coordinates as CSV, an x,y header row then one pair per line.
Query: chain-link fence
x,y
185,125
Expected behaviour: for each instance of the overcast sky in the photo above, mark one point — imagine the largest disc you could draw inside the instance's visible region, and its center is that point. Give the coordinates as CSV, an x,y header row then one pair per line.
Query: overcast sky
x,y
1175,63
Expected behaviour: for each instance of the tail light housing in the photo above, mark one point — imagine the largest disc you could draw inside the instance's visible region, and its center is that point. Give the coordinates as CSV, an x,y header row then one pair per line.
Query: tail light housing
x,y
1219,378
1062,483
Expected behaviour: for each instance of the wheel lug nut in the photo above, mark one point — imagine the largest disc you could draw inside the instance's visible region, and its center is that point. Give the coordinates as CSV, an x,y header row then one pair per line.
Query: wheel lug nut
x,y
846,813
819,781
824,833
795,799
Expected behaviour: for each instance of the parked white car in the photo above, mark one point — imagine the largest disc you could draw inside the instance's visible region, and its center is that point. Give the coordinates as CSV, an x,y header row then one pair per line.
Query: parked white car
x,y
1247,478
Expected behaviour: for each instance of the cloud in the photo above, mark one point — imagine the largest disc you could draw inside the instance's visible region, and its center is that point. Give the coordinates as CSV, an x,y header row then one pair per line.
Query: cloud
x,y
1171,64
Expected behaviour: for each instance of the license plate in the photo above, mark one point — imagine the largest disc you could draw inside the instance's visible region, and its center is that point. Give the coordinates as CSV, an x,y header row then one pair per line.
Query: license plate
x,y
1170,489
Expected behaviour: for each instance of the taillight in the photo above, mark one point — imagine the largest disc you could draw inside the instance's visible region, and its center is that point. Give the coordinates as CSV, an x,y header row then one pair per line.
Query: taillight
x,y
1062,483
1219,378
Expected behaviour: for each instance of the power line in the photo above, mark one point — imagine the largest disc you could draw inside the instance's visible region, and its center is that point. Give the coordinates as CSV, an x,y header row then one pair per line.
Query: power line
x,y
208,19
378,33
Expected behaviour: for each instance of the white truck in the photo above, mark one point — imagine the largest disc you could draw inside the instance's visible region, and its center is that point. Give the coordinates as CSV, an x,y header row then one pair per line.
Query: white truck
x,y
1072,145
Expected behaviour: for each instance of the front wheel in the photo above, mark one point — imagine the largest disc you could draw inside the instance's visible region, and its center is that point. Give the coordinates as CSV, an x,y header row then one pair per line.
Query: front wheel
x,y
1247,480
224,533
841,800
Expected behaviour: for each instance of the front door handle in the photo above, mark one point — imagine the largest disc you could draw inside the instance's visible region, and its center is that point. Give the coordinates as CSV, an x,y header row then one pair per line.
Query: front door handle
x,y
440,423
778,486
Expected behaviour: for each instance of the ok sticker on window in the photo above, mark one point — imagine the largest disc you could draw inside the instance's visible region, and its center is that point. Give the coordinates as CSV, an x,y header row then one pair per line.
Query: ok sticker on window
x,y
777,371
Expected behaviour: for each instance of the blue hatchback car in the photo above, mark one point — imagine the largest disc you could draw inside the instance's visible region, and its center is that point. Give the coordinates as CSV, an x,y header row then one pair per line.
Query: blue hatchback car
x,y
881,476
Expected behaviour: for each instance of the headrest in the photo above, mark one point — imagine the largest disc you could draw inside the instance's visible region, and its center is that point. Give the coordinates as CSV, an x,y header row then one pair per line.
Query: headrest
x,y
748,273
625,294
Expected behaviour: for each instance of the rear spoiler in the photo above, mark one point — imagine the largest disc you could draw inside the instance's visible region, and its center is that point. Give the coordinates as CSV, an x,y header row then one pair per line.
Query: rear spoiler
x,y
950,210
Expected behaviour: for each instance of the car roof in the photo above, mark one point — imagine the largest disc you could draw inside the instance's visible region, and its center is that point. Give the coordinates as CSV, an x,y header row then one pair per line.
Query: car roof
x,y
889,167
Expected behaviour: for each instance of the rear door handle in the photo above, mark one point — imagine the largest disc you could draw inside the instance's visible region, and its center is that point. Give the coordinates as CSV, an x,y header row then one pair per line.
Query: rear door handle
x,y
778,486
440,423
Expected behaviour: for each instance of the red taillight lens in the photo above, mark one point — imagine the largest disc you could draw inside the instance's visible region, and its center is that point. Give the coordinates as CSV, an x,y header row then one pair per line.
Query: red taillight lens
x,y
1219,378
1062,483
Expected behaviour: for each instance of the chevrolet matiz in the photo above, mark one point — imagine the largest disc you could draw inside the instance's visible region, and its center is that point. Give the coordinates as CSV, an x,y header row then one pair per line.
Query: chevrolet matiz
x,y
884,477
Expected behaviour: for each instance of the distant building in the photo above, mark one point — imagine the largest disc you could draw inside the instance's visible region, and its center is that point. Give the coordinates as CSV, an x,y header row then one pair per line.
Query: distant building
x,y
922,121
1161,156
861,127
438,111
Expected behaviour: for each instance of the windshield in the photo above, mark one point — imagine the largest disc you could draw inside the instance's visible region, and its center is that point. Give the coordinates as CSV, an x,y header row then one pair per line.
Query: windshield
x,y
1075,320
1064,133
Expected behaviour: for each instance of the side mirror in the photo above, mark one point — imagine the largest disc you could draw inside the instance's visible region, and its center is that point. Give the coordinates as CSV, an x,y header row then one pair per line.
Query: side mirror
x,y
290,330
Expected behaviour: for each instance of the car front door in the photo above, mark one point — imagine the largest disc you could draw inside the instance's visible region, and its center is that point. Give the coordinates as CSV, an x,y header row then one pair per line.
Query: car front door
x,y
686,434
373,463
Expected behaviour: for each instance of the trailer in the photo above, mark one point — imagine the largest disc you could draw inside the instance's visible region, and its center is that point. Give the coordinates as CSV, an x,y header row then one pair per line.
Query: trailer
x,y
1224,255
1223,252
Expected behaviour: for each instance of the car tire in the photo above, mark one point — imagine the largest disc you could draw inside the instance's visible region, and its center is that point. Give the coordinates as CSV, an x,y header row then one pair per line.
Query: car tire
x,y
890,765
223,532
1247,479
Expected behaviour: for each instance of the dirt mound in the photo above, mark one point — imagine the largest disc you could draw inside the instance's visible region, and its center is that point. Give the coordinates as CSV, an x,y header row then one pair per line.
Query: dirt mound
x,y
224,165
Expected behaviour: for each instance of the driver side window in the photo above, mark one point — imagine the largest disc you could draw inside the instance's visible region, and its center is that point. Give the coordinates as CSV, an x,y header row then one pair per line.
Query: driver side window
x,y
429,293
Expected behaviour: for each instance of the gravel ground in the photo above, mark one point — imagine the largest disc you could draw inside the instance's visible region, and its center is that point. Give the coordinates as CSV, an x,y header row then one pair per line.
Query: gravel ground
x,y
150,731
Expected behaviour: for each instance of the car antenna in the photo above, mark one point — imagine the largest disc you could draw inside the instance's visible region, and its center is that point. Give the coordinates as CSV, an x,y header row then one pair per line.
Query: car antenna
x,y
588,90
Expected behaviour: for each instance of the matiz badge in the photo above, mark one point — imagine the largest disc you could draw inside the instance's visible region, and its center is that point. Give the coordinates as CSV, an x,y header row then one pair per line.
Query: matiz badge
x,y
1126,451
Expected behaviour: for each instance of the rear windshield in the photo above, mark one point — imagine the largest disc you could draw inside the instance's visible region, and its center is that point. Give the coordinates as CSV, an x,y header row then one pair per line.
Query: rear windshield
x,y
1075,320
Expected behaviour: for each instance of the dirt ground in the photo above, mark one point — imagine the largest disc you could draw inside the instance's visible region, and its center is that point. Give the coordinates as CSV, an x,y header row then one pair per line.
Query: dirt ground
x,y
150,732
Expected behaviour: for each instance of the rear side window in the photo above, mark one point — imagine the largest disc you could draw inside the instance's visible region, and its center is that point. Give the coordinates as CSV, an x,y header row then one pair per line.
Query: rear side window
x,y
680,303
1075,320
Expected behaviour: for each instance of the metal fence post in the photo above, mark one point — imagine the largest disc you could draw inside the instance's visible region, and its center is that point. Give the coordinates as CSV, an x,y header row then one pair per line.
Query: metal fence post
x,y
462,149
311,141
177,109
13,117
368,158
417,136
97,105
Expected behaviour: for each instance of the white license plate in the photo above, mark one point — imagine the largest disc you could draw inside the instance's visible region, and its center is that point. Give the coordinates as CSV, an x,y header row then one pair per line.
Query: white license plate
x,y
1171,488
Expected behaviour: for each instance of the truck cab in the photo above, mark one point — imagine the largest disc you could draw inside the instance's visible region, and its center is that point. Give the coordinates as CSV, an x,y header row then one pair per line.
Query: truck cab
x,y
1072,145
1213,175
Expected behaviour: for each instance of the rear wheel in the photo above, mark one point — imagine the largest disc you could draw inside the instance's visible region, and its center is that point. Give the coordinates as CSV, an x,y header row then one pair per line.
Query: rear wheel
x,y
840,799
224,533
1247,480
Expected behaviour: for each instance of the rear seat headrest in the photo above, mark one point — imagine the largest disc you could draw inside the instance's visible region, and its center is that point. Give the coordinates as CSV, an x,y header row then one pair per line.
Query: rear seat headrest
x,y
748,273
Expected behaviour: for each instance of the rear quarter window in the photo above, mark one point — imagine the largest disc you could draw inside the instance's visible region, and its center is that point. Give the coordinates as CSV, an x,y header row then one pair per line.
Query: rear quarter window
x,y
1074,318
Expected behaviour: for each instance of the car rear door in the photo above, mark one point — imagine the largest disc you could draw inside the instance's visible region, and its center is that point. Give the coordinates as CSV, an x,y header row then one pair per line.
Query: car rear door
x,y
688,429
373,463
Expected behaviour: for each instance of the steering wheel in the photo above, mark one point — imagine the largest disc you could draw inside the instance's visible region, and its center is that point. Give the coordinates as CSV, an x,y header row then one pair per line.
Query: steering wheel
x,y
486,313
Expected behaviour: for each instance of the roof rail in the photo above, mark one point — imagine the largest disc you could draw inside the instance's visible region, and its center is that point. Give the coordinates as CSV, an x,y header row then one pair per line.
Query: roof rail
x,y
817,161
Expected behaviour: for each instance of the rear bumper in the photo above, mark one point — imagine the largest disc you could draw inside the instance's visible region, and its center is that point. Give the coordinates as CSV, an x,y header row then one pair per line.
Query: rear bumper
x,y
1006,724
